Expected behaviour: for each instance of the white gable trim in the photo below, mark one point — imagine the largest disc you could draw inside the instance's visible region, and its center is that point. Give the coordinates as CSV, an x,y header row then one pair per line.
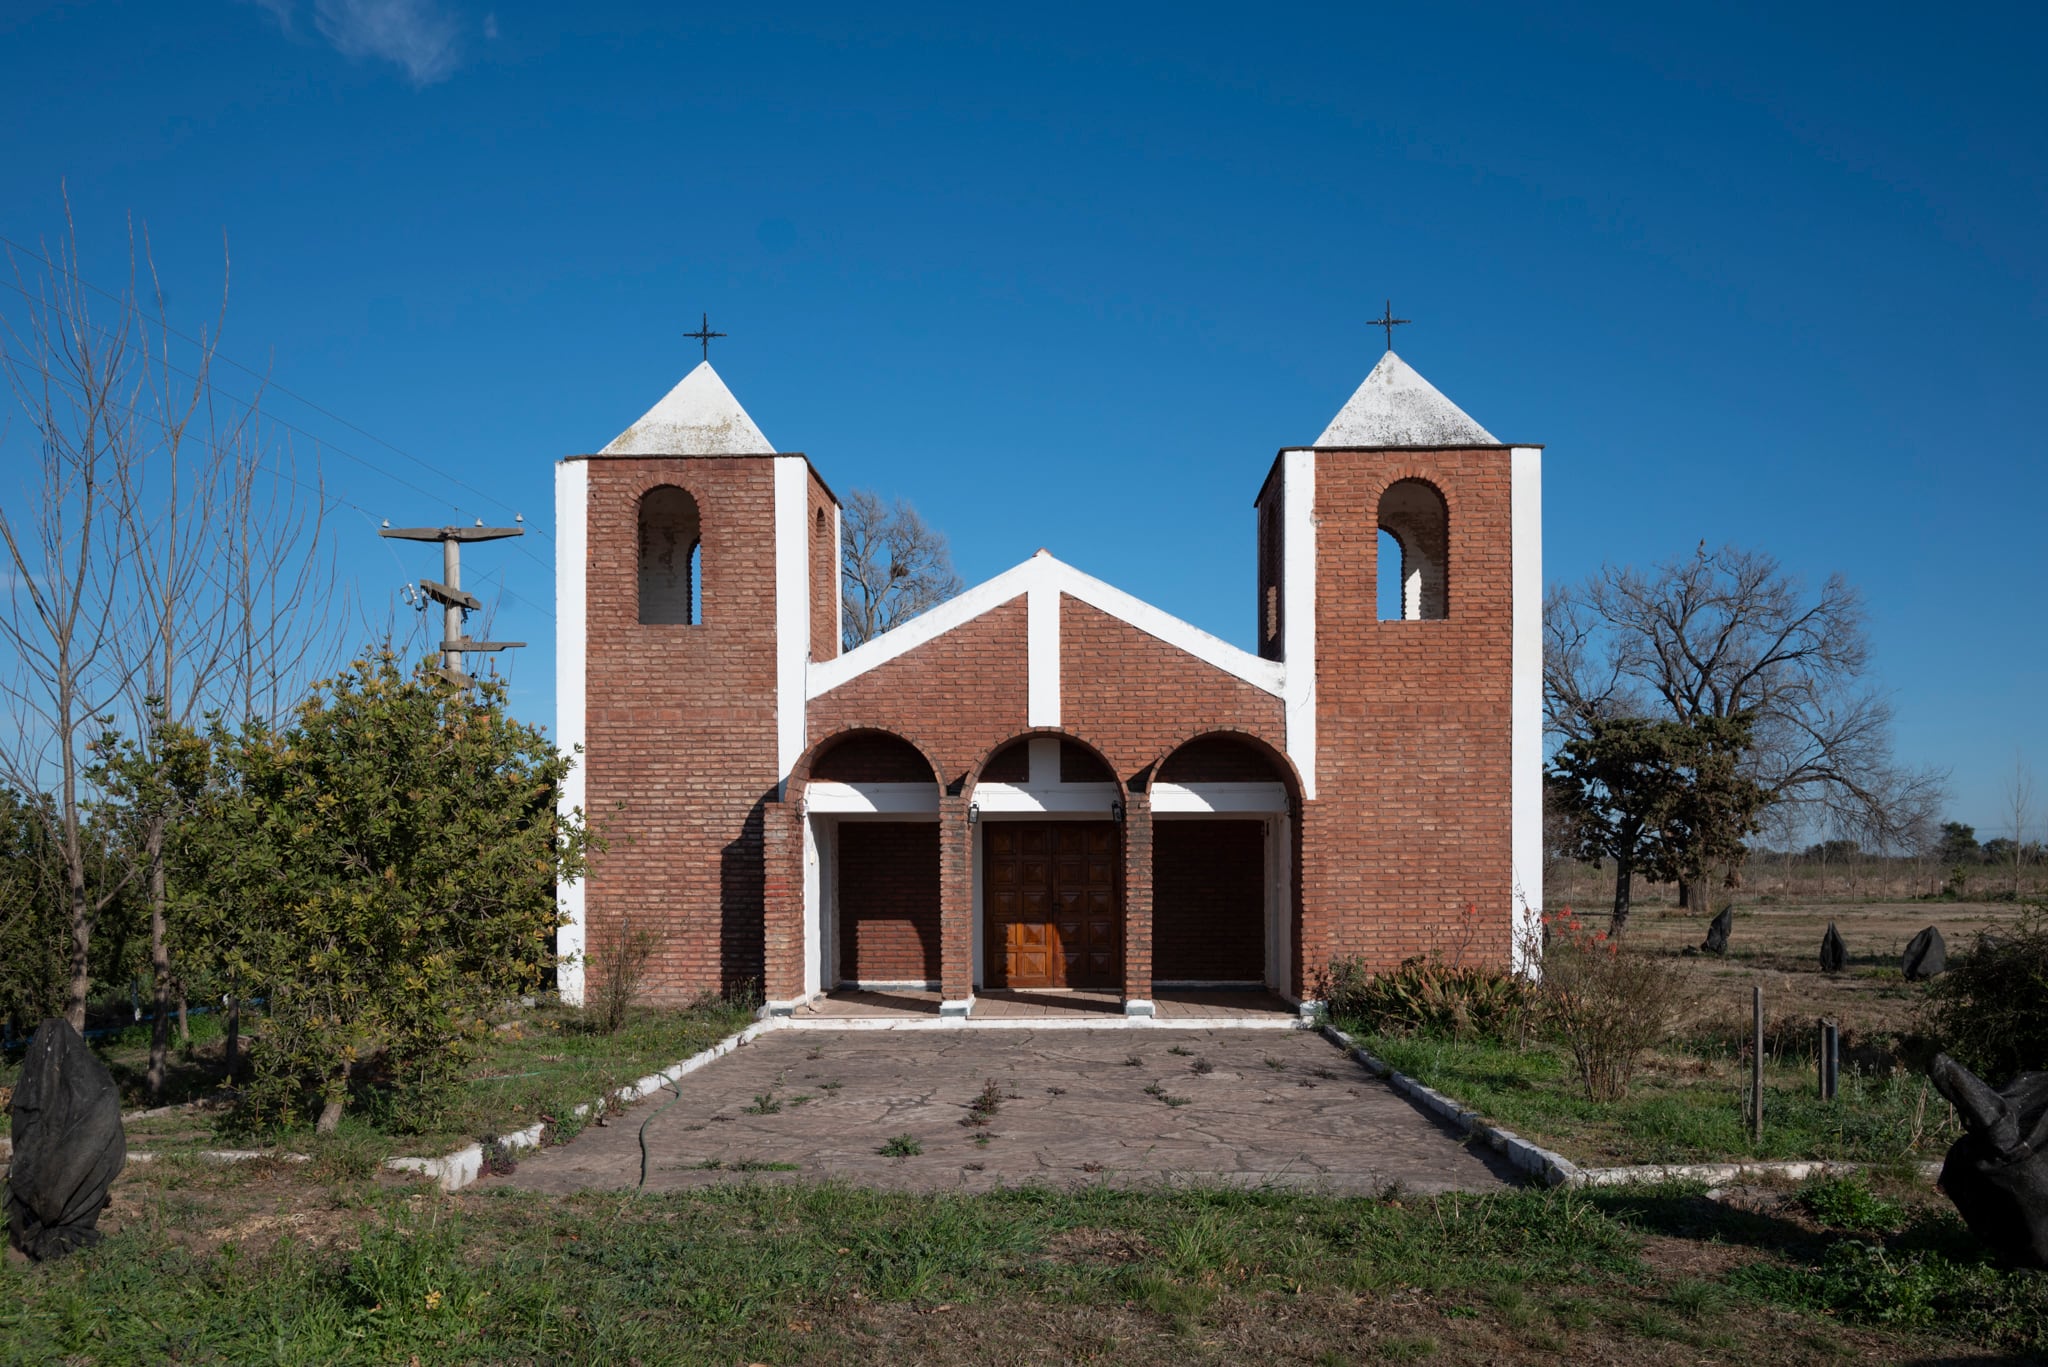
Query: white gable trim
x,y
1044,574
1298,606
1042,619
1219,799
826,797
572,569
792,608
1525,768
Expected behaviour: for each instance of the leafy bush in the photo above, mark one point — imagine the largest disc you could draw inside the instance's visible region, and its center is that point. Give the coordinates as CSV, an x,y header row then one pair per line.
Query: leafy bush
x,y
1607,1005
392,860
1426,997
1990,1010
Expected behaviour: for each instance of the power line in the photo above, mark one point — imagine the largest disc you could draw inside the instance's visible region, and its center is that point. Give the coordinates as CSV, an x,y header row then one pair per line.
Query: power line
x,y
267,382
315,438
320,491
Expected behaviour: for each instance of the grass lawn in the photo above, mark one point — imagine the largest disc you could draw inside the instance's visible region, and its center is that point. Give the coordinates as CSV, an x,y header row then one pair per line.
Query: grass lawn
x,y
539,1064
1681,1108
291,1264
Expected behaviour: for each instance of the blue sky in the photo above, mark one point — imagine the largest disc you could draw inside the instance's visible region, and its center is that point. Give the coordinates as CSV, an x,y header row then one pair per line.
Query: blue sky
x,y
1069,276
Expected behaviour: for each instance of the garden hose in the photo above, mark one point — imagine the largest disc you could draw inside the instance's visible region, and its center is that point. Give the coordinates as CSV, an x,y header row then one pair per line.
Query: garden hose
x,y
677,1086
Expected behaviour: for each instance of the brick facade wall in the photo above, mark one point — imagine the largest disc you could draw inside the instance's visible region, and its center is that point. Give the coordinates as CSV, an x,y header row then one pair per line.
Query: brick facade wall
x,y
957,697
1413,817
888,901
680,738
1208,900
1134,697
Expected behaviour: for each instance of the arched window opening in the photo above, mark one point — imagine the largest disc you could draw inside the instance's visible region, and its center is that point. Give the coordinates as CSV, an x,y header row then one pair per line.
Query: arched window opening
x,y
1389,587
1413,580
670,558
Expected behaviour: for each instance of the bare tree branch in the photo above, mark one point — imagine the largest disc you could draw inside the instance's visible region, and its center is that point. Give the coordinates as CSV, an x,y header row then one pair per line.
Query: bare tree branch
x,y
892,566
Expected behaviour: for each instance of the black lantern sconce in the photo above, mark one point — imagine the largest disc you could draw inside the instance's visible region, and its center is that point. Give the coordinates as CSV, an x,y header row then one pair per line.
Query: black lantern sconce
x,y
1116,810
974,813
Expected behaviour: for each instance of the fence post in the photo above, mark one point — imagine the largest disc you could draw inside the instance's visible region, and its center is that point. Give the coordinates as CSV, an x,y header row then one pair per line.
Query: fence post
x,y
1756,1064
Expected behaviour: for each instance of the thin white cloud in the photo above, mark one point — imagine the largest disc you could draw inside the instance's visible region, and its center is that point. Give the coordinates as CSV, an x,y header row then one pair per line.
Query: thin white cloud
x,y
280,10
417,35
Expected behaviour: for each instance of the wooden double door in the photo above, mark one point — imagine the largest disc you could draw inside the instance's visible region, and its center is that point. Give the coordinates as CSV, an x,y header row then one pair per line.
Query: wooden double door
x,y
1053,897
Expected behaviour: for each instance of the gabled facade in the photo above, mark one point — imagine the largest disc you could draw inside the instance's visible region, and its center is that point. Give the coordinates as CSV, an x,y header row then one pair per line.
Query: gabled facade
x,y
1046,783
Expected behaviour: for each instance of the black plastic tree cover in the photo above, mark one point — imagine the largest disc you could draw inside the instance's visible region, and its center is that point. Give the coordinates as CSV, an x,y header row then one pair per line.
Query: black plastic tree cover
x,y
1995,1173
1717,931
1926,955
68,1144
1833,953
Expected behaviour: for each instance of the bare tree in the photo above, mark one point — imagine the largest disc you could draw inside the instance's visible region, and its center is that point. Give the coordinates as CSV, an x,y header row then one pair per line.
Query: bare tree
x,y
892,566
2019,802
69,613
166,570
1728,631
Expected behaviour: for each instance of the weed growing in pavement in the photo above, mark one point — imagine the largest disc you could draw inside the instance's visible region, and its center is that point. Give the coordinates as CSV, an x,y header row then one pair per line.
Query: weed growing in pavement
x,y
902,1146
983,1108
764,1104
1180,1049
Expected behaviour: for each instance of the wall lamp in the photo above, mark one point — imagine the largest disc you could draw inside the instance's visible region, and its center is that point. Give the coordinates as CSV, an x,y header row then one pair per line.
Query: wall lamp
x,y
1116,810
974,813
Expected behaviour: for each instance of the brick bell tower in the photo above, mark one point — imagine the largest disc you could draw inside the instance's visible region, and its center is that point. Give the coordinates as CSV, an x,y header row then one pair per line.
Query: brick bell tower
x,y
696,574
1423,796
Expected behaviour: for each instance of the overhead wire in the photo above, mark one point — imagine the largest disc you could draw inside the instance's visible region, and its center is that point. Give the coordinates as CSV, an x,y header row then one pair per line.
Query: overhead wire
x,y
322,492
320,442
271,384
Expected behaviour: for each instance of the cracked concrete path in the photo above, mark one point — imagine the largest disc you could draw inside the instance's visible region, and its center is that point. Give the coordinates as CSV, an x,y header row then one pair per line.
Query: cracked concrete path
x,y
1129,1107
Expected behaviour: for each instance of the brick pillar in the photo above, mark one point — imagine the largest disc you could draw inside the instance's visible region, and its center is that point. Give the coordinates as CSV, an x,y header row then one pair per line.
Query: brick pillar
x,y
1138,904
782,896
956,907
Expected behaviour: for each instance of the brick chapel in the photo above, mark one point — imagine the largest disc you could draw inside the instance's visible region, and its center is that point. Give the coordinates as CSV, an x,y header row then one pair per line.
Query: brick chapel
x,y
1045,783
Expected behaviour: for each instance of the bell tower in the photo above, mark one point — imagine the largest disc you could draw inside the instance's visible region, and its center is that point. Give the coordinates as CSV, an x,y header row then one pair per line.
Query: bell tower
x,y
696,577
1422,725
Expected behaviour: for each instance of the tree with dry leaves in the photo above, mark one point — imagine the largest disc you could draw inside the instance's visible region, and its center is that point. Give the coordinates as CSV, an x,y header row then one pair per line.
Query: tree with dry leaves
x,y
892,566
1726,633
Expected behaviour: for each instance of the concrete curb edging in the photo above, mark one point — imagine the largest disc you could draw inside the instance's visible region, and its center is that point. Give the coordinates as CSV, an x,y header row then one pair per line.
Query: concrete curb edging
x,y
1555,1170
1540,1164
1720,1174
454,1171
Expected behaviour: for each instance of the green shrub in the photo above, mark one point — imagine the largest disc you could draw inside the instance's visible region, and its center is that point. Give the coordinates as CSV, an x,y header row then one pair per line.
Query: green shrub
x,y
1868,1283
1849,1203
1426,997
1990,1010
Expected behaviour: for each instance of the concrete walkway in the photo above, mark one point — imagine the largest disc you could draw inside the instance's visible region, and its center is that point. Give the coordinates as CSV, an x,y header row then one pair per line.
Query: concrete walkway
x,y
1242,1107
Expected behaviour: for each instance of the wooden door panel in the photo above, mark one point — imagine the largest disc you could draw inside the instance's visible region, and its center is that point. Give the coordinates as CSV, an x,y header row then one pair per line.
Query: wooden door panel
x,y
1051,896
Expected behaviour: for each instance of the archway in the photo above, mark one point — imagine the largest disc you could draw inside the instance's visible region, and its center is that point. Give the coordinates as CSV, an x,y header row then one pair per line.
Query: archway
x,y
1049,890
872,868
1222,850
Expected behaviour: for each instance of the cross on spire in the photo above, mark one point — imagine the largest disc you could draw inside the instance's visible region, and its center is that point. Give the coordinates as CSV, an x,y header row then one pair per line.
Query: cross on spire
x,y
704,334
1389,322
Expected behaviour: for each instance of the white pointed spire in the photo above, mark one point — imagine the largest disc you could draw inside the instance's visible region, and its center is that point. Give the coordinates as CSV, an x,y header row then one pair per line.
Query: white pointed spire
x,y
699,417
1397,407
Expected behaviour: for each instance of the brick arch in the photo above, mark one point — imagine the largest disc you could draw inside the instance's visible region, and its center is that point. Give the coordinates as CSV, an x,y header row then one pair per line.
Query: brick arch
x,y
973,776
801,772
1283,766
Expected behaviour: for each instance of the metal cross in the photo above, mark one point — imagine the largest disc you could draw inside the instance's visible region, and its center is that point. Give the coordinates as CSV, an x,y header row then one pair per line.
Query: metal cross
x,y
1389,322
704,334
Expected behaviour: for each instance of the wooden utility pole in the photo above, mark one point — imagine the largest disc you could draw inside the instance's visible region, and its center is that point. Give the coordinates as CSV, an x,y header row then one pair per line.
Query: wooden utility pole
x,y
455,642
